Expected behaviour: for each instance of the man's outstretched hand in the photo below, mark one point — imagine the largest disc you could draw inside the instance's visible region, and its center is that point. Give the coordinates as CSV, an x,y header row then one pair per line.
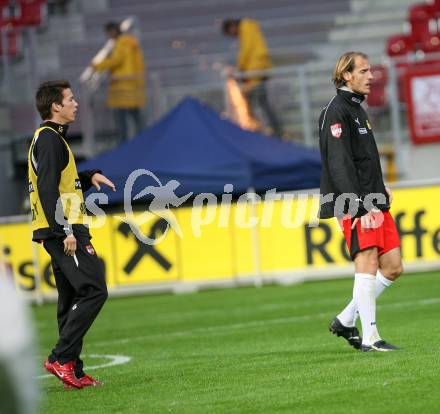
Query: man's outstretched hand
x,y
98,179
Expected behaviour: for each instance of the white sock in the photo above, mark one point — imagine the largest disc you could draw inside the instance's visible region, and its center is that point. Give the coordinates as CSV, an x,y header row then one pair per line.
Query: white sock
x,y
349,315
364,294
381,283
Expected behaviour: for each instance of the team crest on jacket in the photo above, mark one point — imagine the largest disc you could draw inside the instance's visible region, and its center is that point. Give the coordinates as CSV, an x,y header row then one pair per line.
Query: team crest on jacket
x,y
336,130
90,249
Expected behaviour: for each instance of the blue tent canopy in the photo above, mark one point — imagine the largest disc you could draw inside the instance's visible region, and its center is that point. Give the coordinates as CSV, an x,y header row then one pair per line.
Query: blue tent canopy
x,y
195,146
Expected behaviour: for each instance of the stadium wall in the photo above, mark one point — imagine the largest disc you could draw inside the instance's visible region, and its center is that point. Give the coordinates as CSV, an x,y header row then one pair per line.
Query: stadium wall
x,y
244,243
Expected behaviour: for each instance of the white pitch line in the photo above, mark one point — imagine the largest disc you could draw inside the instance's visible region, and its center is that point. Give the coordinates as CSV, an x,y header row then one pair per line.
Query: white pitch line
x,y
115,360
253,324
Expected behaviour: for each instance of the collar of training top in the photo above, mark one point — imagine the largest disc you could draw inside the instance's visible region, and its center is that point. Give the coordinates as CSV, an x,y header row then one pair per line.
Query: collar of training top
x,y
352,98
61,129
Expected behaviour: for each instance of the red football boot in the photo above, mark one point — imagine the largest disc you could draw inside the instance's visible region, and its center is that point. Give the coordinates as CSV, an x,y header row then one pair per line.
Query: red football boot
x,y
48,366
86,381
89,381
64,372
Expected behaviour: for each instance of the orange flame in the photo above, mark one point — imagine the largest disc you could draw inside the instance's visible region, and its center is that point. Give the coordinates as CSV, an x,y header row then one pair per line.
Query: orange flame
x,y
238,108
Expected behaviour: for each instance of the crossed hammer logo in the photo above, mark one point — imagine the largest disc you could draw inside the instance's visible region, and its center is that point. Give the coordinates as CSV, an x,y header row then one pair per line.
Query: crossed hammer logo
x,y
159,227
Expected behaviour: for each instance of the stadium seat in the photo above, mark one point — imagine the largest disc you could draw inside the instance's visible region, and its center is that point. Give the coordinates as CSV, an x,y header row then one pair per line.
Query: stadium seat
x,y
377,97
33,12
420,17
431,44
400,45
23,12
11,14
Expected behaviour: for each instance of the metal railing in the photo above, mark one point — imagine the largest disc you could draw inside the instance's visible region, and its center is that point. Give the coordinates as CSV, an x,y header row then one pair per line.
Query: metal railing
x,y
297,92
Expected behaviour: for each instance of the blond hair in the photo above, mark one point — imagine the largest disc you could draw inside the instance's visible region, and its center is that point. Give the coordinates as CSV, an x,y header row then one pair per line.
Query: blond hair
x,y
344,64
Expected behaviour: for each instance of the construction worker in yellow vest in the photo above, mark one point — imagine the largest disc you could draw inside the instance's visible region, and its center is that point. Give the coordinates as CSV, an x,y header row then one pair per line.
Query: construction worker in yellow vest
x,y
253,55
126,92
58,222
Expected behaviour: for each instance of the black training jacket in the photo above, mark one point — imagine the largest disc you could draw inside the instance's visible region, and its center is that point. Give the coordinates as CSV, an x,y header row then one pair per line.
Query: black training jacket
x,y
52,157
350,159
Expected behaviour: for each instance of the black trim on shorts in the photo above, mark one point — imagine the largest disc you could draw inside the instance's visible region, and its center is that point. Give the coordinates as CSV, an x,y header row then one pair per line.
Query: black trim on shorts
x,y
354,244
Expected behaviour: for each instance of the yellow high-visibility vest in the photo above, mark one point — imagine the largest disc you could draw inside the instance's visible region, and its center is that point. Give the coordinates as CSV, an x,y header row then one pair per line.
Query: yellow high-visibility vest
x,y
71,195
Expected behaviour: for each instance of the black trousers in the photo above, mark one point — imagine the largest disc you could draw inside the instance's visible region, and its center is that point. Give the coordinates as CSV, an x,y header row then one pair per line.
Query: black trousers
x,y
121,120
82,292
257,97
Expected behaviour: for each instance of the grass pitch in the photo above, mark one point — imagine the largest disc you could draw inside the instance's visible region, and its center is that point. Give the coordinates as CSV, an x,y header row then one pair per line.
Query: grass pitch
x,y
251,350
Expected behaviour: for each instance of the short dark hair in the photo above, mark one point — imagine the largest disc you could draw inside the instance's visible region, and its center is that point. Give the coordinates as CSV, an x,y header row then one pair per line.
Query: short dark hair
x,y
48,93
112,26
228,24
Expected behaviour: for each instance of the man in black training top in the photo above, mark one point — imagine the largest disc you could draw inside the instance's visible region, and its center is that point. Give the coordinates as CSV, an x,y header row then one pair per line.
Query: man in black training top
x,y
353,191
58,221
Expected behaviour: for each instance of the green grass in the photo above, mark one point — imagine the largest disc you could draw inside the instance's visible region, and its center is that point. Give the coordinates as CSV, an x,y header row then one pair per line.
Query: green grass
x,y
252,350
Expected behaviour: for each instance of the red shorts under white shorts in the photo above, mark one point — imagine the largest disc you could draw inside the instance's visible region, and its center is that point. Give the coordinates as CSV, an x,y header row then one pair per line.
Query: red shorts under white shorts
x,y
385,237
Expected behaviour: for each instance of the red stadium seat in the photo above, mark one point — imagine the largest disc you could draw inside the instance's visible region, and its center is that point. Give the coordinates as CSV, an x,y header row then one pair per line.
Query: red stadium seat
x,y
23,12
431,44
380,74
420,16
33,12
11,14
377,98
422,11
400,45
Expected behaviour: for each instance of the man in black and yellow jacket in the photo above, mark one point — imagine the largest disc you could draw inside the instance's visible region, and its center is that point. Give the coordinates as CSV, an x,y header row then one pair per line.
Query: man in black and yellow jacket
x,y
59,222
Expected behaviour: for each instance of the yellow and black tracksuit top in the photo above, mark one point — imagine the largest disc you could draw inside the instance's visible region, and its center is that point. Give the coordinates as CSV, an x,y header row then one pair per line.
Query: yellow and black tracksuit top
x,y
52,177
